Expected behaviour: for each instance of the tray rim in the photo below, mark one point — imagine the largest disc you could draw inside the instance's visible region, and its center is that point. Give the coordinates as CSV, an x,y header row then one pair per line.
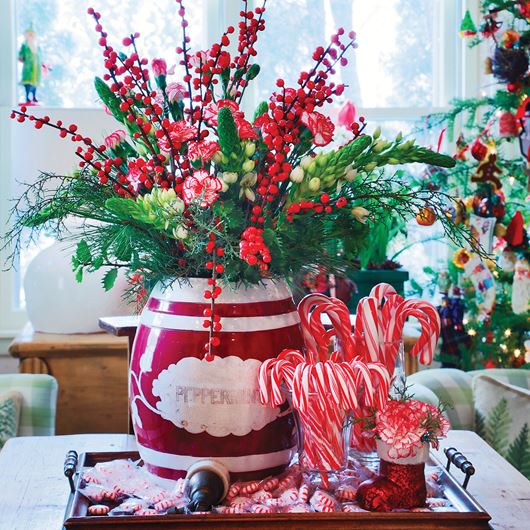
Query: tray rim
x,y
478,514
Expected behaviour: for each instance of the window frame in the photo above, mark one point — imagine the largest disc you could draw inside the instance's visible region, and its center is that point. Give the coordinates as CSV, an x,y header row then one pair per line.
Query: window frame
x,y
457,74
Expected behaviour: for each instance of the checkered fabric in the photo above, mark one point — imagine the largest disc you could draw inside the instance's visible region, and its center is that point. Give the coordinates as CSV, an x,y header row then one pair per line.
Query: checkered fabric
x,y
452,387
422,393
39,400
510,376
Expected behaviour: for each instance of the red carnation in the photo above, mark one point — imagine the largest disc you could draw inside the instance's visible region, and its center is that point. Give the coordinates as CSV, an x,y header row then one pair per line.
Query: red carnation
x,y
320,126
203,150
179,132
210,112
201,185
244,128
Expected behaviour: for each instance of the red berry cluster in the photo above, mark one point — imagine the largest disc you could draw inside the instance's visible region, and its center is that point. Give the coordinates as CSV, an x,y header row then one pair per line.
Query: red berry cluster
x,y
252,248
281,127
324,205
212,321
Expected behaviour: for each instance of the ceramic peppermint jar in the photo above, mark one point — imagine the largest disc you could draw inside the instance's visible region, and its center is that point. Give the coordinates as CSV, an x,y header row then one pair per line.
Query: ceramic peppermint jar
x,y
185,408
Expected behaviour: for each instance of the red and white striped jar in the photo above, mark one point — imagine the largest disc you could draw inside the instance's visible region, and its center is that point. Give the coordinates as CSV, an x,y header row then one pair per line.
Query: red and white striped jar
x,y
184,408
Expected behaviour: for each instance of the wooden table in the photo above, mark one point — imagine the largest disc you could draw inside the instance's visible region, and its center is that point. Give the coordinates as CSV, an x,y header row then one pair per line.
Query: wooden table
x,y
91,370
34,492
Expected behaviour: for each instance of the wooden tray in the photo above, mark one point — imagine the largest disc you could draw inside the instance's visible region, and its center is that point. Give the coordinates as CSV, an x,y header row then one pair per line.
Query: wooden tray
x,y
470,514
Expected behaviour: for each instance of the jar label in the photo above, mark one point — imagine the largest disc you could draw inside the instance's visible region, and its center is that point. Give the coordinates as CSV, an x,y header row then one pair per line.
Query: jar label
x,y
220,397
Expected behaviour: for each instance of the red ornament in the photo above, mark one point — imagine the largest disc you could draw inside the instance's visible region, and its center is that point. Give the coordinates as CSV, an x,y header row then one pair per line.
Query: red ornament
x,y
399,486
515,231
479,150
508,125
426,216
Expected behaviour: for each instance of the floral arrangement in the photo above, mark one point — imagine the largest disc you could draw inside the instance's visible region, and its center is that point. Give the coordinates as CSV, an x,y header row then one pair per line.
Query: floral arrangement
x,y
189,186
406,424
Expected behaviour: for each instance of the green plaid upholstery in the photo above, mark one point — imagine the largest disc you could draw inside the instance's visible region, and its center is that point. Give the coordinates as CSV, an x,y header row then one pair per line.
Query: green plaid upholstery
x,y
510,376
10,403
422,393
39,399
453,388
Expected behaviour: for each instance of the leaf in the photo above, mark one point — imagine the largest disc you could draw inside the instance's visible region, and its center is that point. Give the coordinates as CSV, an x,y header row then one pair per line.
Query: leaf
x,y
253,71
109,98
480,424
122,245
109,279
124,208
79,275
261,109
518,453
82,252
498,426
422,154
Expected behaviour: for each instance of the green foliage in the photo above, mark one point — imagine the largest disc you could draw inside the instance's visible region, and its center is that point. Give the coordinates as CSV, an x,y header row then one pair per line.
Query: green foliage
x,y
480,424
109,279
498,426
518,453
262,108
227,133
109,98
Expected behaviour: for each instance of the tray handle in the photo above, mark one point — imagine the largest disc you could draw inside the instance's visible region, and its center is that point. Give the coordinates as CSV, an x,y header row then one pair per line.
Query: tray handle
x,y
461,462
70,466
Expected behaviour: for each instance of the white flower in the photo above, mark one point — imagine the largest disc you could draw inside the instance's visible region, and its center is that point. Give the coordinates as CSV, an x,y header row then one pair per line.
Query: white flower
x,y
230,177
360,214
297,175
181,232
306,161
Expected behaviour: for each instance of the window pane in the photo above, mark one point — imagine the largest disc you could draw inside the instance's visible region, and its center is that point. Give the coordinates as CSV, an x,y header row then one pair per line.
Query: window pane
x,y
393,65
69,45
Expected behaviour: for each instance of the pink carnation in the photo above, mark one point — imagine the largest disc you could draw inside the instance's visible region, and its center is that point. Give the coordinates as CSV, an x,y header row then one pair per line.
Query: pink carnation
x,y
211,110
403,424
175,92
203,150
201,185
159,67
346,114
179,132
114,139
320,126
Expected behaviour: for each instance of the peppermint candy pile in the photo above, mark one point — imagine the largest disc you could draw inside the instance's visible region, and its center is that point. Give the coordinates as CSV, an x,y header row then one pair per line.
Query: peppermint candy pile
x,y
121,487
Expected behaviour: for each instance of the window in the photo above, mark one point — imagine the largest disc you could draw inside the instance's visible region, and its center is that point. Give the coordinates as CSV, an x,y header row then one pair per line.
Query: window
x,y
68,42
408,63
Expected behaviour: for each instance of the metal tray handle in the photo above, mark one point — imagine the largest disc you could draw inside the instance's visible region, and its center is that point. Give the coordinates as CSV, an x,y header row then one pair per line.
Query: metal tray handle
x,y
461,462
70,466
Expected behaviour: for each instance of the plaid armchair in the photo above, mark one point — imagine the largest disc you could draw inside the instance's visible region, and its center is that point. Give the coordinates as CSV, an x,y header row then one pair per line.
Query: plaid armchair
x,y
39,400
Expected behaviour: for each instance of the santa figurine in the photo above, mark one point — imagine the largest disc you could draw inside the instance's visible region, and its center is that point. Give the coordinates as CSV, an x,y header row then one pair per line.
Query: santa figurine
x,y
32,68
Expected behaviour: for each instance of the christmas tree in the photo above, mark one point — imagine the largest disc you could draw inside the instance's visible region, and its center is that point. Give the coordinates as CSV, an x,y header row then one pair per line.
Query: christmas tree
x,y
485,300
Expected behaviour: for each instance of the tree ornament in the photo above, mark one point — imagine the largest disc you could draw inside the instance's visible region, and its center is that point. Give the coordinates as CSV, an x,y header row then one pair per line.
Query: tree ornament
x,y
509,38
488,66
467,26
461,148
489,202
500,230
426,216
508,125
480,275
479,150
482,230
509,65
488,169
521,287
507,260
515,232
491,25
